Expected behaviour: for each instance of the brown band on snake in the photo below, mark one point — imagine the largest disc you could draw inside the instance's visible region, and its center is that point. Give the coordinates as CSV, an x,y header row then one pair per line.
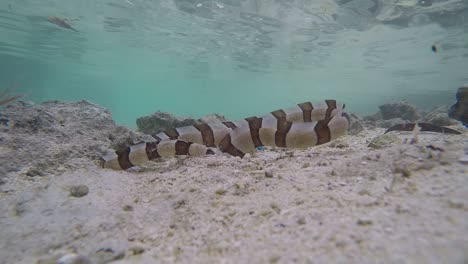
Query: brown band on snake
x,y
152,150
207,134
226,146
281,132
322,131
279,114
331,106
123,157
255,124
306,111
182,147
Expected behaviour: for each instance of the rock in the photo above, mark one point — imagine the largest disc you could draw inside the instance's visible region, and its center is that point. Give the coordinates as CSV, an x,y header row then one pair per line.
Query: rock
x,y
401,110
364,222
459,110
107,255
74,259
213,119
390,122
384,141
160,121
35,172
455,204
438,116
53,136
269,173
463,159
356,125
136,250
127,208
79,190
373,118
301,220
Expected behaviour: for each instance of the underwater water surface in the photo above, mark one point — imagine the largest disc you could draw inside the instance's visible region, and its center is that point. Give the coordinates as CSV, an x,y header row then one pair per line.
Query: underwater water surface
x,y
237,58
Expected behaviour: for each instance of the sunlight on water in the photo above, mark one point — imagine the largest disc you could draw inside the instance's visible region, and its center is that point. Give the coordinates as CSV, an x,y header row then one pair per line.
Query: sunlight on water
x,y
237,58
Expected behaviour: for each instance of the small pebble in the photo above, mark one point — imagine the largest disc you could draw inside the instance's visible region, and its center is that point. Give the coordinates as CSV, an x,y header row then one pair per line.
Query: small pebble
x,y
79,190
305,165
301,220
127,208
364,222
178,204
463,160
136,250
456,204
35,172
269,173
74,259
220,192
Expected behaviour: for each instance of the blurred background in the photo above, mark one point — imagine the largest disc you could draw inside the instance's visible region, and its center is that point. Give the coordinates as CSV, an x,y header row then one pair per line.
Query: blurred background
x,y
234,57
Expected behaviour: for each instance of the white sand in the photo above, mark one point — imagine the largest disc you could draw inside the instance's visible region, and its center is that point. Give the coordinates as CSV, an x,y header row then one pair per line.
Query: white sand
x,y
342,202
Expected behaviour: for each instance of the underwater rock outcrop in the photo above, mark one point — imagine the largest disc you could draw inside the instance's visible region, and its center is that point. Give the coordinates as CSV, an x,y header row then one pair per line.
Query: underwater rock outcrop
x,y
401,110
51,137
459,110
161,121
439,117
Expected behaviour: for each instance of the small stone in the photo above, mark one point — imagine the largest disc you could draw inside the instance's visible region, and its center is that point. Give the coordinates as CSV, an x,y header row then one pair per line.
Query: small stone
x,y
364,192
400,209
340,244
74,259
403,170
247,156
79,190
106,255
464,159
275,208
127,208
269,173
456,204
305,165
137,250
35,172
220,192
178,204
364,222
301,220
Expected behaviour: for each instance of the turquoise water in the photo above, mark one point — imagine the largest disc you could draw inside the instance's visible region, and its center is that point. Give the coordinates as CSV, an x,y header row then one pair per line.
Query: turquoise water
x,y
237,58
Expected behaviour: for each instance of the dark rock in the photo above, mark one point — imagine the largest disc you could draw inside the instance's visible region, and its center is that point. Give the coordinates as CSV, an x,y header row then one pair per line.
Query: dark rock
x,y
390,122
459,110
373,118
401,110
79,190
35,172
52,136
107,255
161,121
356,125
439,117
136,250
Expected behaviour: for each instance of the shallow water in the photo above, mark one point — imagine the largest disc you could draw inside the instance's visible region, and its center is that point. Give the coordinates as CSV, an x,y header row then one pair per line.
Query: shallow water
x,y
237,58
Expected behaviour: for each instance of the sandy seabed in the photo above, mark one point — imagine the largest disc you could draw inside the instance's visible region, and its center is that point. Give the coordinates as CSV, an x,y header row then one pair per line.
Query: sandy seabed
x,y
348,201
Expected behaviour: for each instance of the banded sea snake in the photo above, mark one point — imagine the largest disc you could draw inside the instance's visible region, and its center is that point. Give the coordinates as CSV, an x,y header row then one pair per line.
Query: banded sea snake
x,y
305,125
